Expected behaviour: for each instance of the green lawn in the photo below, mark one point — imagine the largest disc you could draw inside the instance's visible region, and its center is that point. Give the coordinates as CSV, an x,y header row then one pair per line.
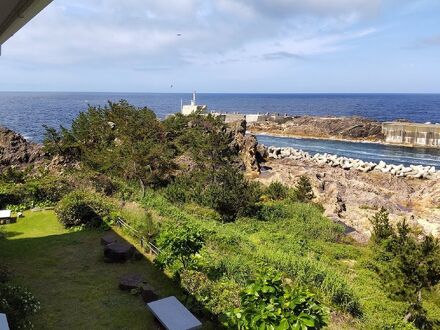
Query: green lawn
x,y
66,272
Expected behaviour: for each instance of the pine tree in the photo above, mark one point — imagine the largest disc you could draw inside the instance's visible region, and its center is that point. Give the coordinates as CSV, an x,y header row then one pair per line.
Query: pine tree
x,y
411,265
303,190
382,229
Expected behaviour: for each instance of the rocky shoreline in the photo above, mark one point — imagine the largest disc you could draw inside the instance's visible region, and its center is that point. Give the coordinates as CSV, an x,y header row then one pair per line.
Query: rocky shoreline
x,y
412,171
15,150
351,197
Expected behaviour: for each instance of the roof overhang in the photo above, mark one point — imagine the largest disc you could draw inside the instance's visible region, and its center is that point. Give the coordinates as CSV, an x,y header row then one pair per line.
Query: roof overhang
x,y
14,14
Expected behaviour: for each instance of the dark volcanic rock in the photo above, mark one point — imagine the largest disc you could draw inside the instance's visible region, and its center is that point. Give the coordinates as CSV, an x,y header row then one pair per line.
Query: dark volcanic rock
x,y
108,239
15,150
130,281
118,252
148,295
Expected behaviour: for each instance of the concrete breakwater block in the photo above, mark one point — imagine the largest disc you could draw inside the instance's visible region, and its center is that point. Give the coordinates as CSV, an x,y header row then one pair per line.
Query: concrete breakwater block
x,y
413,171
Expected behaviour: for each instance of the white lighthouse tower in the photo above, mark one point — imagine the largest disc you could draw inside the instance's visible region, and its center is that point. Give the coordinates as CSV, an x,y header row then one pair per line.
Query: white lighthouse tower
x,y
189,109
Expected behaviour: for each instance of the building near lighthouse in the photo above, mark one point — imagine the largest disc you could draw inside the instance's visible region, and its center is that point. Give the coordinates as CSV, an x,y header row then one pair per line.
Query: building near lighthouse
x,y
189,109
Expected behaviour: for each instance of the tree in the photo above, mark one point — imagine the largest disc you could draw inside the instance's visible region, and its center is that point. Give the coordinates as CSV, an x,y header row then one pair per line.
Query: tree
x,y
276,191
179,244
231,194
303,191
206,138
382,229
267,303
411,265
118,139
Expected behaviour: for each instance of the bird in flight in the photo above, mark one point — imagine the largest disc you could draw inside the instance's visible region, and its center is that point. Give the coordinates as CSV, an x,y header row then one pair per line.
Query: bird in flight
x,y
179,34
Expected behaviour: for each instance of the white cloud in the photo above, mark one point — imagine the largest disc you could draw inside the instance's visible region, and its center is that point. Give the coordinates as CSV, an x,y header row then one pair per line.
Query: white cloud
x,y
139,33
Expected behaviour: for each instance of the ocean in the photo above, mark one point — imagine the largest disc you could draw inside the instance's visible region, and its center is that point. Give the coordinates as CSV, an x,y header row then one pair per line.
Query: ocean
x,y
27,112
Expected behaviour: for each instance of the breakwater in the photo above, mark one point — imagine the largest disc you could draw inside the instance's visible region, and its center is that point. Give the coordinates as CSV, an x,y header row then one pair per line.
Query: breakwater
x,y
412,134
252,118
346,163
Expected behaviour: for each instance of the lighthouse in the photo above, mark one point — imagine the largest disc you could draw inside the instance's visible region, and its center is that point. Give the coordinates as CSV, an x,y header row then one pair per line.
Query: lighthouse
x,y
189,109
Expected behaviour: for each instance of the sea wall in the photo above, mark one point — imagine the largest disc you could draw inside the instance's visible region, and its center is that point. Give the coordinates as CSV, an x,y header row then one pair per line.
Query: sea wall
x,y
412,171
252,118
412,134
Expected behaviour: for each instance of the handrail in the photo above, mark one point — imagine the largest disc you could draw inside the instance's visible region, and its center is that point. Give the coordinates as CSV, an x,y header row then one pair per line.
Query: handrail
x,y
143,240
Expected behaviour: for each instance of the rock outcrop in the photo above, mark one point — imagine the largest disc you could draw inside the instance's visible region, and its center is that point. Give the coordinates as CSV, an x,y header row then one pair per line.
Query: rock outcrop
x,y
247,146
16,151
350,128
352,196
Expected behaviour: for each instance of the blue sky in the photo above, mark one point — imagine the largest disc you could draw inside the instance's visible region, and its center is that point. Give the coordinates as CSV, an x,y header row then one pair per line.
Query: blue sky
x,y
293,46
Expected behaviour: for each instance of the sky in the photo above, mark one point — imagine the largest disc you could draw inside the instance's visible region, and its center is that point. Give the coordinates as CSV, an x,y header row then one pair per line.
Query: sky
x,y
242,46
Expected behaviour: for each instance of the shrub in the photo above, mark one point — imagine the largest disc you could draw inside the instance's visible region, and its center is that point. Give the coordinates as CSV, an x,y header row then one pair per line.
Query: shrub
x,y
180,191
83,208
231,195
382,229
11,194
215,296
44,191
303,191
267,303
276,191
226,191
12,175
47,189
18,304
178,244
139,219
271,212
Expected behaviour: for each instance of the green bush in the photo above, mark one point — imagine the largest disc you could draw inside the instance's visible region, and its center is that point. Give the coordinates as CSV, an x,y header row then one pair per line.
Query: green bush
x,y
18,304
179,243
84,208
215,296
45,191
271,212
276,191
226,191
11,194
12,175
181,190
303,191
382,228
268,303
231,195
139,219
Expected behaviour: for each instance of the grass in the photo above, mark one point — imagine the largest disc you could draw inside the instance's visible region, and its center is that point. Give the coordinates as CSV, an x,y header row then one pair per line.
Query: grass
x,y
66,272
307,247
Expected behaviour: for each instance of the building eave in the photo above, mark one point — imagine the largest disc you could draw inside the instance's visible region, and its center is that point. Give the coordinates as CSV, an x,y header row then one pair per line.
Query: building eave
x,y
19,13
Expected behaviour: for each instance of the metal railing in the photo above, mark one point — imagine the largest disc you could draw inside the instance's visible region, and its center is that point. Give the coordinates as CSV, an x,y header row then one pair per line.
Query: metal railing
x,y
143,241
